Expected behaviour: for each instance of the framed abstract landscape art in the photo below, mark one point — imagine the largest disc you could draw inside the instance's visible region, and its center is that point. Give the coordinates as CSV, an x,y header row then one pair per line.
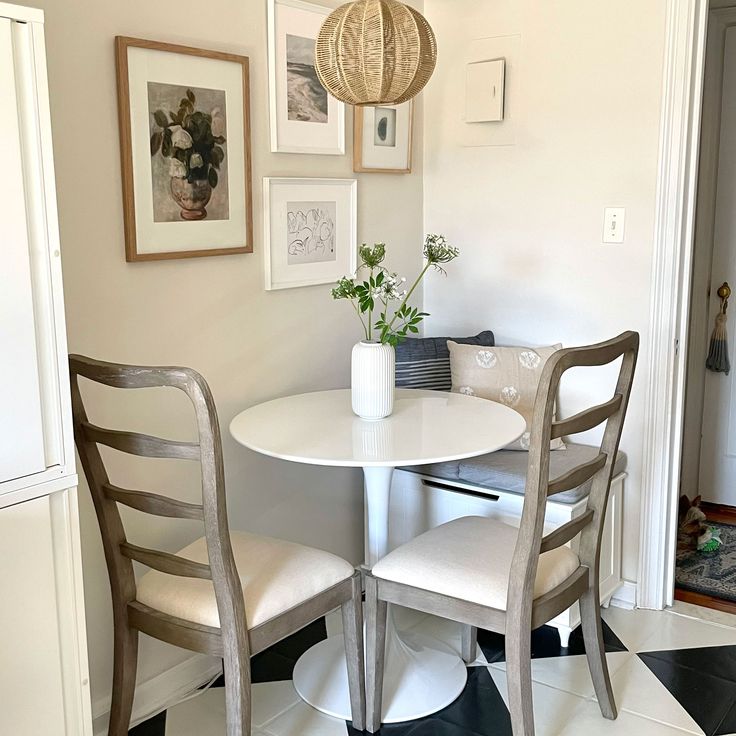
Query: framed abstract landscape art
x,y
185,151
304,118
310,231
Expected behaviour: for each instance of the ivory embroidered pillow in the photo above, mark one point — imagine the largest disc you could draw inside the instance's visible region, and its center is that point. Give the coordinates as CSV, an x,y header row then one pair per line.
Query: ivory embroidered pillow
x,y
508,375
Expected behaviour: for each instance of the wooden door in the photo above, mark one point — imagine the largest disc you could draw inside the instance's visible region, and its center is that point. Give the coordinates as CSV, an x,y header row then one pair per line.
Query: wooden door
x,y
717,482
22,450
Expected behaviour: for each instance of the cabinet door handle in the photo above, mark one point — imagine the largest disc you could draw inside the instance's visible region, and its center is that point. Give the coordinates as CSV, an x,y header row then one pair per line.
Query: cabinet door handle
x,y
454,489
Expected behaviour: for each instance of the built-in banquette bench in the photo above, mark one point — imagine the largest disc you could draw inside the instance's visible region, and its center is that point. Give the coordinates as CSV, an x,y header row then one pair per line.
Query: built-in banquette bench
x,y
492,485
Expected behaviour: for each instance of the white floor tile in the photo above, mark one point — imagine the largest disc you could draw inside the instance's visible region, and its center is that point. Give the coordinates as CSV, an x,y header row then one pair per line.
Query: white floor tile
x,y
638,691
271,699
570,674
706,614
202,714
552,707
587,720
303,720
680,632
632,627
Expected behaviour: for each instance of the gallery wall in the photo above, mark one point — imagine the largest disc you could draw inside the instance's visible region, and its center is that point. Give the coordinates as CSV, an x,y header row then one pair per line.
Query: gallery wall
x,y
524,199
212,314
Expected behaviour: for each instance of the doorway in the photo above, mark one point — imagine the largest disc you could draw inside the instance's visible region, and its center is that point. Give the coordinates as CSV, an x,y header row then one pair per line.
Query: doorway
x,y
705,571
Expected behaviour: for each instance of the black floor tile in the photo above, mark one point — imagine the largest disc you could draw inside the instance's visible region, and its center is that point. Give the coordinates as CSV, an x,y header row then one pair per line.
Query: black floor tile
x,y
478,711
717,661
708,699
155,726
728,724
546,643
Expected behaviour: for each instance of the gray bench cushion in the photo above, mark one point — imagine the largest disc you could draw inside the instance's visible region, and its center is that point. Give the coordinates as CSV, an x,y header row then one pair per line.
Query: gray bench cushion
x,y
506,470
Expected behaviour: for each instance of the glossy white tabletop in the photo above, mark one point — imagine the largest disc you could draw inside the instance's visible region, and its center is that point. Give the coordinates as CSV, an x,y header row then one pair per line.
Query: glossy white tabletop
x,y
425,427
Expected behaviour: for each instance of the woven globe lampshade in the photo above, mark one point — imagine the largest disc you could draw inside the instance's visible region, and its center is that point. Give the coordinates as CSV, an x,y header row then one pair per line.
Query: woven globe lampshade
x,y
375,52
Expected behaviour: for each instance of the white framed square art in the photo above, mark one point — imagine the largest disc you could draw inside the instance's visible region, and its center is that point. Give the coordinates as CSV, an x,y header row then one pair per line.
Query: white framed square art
x,y
304,117
310,231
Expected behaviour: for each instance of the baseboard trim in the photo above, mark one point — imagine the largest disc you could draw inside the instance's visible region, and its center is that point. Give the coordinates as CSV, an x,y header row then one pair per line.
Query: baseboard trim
x,y
625,596
161,692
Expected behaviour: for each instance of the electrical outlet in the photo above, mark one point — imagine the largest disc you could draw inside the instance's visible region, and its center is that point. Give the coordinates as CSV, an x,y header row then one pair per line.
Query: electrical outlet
x,y
614,224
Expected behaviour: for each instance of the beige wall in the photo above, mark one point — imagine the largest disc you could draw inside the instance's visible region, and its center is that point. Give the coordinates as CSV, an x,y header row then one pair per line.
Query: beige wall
x,y
528,217
212,314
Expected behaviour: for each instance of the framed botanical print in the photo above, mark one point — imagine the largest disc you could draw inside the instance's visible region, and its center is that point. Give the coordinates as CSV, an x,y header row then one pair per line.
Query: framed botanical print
x,y
304,117
185,150
310,231
382,140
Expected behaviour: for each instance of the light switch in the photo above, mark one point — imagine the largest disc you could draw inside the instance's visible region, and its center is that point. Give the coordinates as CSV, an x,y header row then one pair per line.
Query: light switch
x,y
484,91
614,224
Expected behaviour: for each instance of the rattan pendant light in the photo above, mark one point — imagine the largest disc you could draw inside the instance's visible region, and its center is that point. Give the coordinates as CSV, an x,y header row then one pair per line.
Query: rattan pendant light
x,y
375,52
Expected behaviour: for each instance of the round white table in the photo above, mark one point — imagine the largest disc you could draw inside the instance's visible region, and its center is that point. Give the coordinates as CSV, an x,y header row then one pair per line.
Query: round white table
x,y
422,675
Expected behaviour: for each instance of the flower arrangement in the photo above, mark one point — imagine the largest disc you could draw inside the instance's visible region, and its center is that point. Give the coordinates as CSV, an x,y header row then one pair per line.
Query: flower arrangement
x,y
372,298
191,139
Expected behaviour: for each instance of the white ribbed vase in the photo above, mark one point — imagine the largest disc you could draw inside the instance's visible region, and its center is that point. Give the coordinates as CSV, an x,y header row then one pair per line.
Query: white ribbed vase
x,y
373,379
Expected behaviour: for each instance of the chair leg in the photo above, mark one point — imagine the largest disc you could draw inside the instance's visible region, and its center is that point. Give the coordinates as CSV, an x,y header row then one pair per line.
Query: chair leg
x,y
123,680
469,643
352,624
376,615
590,614
236,667
519,678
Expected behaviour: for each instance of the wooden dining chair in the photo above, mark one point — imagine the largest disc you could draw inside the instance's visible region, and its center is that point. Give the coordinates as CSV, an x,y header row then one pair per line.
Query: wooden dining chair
x,y
230,595
487,574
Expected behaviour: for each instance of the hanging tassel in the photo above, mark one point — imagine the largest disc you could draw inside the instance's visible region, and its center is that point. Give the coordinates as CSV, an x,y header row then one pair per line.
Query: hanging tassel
x,y
718,360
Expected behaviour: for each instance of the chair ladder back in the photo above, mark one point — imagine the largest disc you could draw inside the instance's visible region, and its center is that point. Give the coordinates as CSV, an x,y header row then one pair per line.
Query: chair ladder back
x,y
531,541
119,553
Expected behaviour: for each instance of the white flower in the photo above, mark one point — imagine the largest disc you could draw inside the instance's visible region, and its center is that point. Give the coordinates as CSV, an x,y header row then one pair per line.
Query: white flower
x,y
180,138
196,162
525,440
530,360
467,391
510,396
218,122
177,169
486,358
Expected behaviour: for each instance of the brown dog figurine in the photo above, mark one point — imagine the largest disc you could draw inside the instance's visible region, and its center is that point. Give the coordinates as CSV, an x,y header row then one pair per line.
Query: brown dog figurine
x,y
690,523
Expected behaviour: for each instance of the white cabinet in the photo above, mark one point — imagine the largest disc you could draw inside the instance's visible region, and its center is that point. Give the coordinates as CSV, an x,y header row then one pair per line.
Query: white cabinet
x,y
420,503
44,681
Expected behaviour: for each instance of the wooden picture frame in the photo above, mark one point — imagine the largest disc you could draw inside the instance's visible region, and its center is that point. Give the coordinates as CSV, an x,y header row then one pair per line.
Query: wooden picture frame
x,y
394,155
310,231
209,221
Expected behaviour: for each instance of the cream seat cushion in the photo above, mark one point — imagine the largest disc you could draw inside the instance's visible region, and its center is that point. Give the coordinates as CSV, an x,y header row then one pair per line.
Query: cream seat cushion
x,y
275,576
470,559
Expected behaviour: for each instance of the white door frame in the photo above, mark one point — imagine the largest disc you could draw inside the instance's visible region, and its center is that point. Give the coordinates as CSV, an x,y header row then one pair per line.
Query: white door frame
x,y
665,362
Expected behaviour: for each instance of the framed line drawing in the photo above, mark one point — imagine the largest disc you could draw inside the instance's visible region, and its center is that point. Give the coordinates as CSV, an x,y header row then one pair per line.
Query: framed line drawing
x,y
184,116
304,117
382,140
310,231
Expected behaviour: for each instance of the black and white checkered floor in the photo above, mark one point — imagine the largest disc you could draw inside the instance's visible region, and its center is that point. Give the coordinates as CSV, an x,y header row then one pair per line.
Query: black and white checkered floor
x,y
672,674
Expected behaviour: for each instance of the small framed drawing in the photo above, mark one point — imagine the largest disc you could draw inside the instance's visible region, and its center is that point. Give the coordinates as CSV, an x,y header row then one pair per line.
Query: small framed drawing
x,y
185,151
304,118
310,231
382,140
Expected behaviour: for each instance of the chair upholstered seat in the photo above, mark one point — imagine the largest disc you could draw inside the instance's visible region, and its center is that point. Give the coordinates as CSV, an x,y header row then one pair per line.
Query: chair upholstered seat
x,y
470,559
275,576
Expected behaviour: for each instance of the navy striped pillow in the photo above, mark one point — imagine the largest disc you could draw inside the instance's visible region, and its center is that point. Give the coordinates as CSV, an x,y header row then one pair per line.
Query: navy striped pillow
x,y
425,362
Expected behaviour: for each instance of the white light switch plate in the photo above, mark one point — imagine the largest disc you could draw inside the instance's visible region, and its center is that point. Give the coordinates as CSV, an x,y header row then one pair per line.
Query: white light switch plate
x,y
484,92
614,224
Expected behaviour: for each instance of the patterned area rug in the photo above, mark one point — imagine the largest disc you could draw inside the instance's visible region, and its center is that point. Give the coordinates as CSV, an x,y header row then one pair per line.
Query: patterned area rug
x,y
713,574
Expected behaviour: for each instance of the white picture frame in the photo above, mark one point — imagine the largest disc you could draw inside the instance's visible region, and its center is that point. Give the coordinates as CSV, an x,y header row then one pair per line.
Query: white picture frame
x,y
304,118
382,139
310,231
